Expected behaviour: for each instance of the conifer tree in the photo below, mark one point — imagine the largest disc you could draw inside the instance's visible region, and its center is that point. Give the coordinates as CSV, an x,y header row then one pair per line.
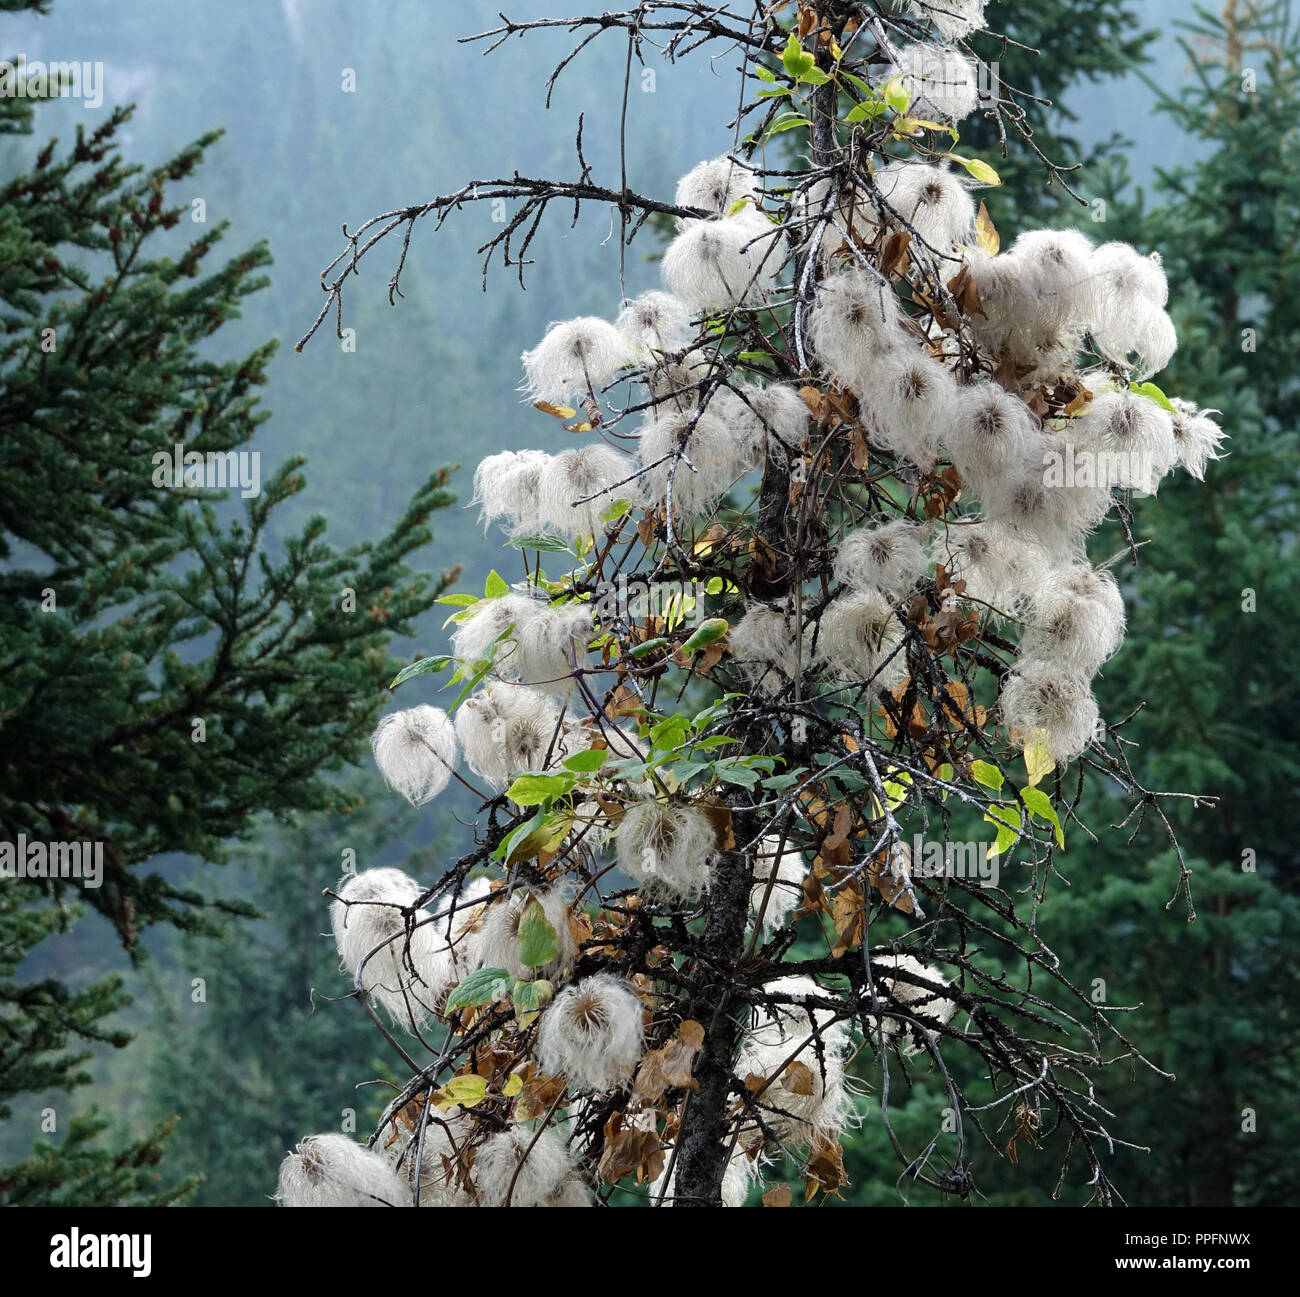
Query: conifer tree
x,y
171,671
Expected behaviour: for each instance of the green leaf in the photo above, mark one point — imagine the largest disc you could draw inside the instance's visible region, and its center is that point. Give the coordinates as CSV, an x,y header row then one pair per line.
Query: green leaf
x,y
528,998
484,986
1007,821
988,775
764,74
865,112
706,633
616,510
495,585
1040,805
422,667
536,790
647,647
735,773
668,734
538,943
786,122
457,600
585,763
1152,392
897,95
796,62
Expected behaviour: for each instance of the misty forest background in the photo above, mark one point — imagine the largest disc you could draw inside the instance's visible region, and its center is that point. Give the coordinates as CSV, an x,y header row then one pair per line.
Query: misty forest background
x,y
260,1061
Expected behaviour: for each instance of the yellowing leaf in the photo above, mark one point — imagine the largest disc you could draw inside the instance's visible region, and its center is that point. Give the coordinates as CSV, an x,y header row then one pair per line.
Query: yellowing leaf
x,y
1038,760
978,169
460,1091
986,234
555,411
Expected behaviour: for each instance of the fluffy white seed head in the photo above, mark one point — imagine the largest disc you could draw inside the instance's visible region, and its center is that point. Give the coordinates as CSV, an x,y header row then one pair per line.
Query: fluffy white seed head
x,y
655,322
667,849
1130,292
1041,702
521,1168
999,569
802,1102
859,639
717,452
716,186
506,729
768,417
415,751
931,1007
889,558
719,264
765,645
575,358
498,940
911,400
932,200
940,80
593,1033
447,1142
953,19
786,870
1058,267
992,435
1131,437
1076,620
1196,437
335,1171
542,642
397,968
578,486
505,486
854,320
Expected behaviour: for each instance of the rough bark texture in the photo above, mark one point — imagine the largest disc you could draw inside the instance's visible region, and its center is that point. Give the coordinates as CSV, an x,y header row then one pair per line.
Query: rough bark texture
x,y
702,1143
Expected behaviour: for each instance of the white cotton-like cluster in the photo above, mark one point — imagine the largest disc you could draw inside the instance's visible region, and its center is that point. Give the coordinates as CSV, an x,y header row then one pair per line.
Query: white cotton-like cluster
x,y
932,200
655,322
859,638
667,848
717,458
766,647
505,486
953,19
854,215
579,485
786,867
542,643
447,1138
1130,293
497,943
932,1008
739,1176
853,321
506,729
992,434
1057,266
368,918
1039,701
1130,437
784,1034
415,751
889,558
911,401
455,954
520,1167
593,1033
768,418
575,359
941,81
1196,437
716,186
1076,620
335,1171
724,263
998,568
1036,501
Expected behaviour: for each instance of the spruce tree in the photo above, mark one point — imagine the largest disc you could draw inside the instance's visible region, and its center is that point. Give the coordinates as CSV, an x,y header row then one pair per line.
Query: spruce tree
x,y
172,668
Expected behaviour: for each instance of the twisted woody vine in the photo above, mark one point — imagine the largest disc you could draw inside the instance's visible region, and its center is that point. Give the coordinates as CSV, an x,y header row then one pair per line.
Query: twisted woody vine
x,y
809,587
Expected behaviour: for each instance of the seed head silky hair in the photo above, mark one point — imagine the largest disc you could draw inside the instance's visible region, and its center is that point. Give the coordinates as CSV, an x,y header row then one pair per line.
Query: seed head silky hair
x,y
932,200
667,848
575,358
1076,620
889,558
853,320
941,81
931,1007
335,1171
1038,700
1196,437
789,869
593,1033
506,729
505,488
415,751
716,186
859,638
953,19
497,945
723,263
520,1167
765,646
655,322
578,487
1130,293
